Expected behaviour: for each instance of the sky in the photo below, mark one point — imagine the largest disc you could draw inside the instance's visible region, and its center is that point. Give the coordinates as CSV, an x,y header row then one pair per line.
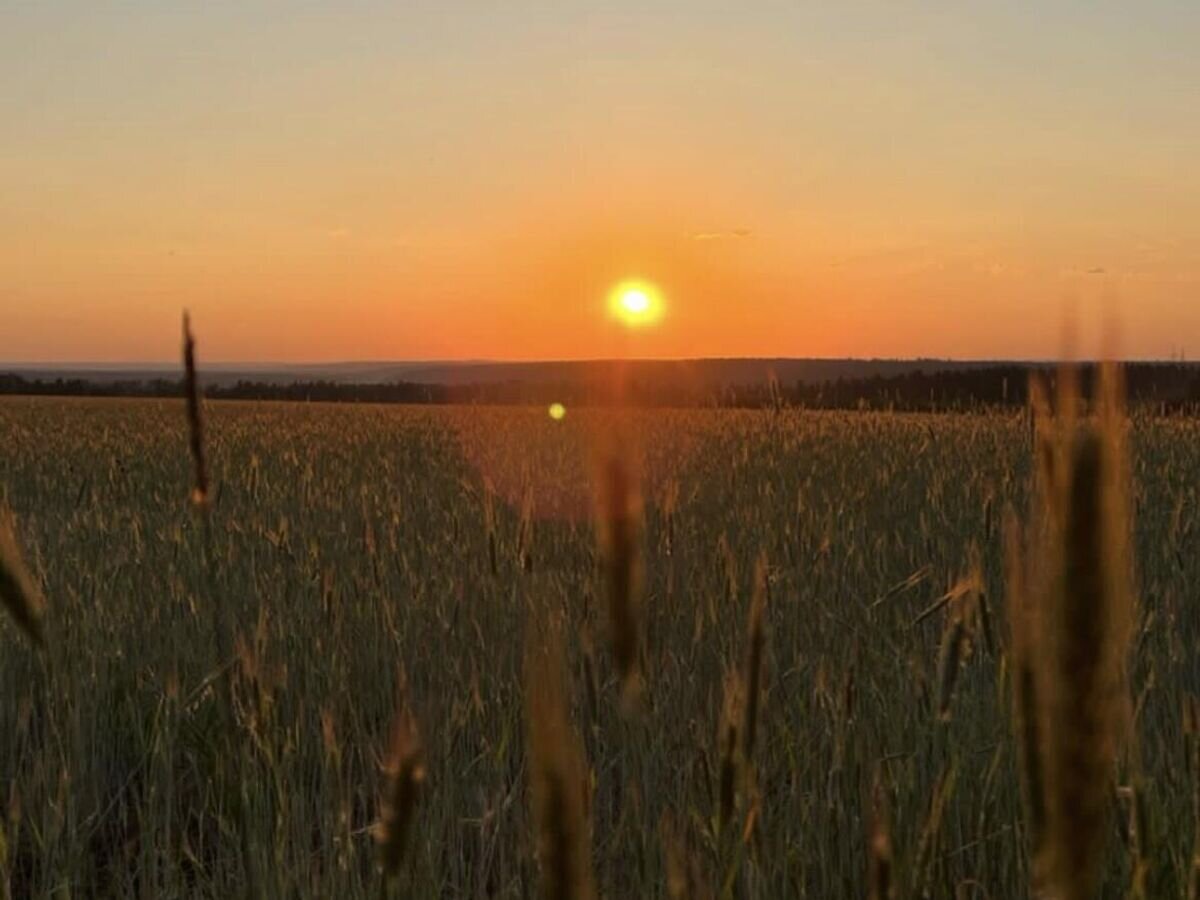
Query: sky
x,y
418,180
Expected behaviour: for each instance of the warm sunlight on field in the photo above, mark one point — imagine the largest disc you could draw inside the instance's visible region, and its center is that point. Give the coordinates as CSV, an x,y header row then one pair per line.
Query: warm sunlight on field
x,y
359,559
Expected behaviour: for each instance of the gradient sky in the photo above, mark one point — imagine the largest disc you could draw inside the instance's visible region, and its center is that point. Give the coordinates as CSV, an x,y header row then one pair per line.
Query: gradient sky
x,y
369,180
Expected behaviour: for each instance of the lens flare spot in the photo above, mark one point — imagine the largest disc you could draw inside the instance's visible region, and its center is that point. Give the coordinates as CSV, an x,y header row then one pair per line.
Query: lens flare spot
x,y
558,412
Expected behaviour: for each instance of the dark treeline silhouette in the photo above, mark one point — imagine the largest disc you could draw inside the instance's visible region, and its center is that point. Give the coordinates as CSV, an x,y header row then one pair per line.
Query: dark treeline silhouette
x,y
1170,387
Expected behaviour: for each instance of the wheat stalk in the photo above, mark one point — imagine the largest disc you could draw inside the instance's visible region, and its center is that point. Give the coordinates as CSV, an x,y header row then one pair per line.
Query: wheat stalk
x,y
405,768
19,591
754,658
559,782
727,747
880,873
620,527
191,386
1079,588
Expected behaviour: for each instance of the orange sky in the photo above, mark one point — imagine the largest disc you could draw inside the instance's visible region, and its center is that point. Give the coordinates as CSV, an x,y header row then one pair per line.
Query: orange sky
x,y
370,182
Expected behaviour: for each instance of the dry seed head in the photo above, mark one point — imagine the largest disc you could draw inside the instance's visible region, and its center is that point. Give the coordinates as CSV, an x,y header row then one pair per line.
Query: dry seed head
x,y
329,739
558,774
19,591
489,522
684,878
1067,401
950,659
675,865
727,747
620,524
1039,396
754,659
1083,690
1079,583
1044,442
881,873
1038,410
406,774
962,603
199,494
849,694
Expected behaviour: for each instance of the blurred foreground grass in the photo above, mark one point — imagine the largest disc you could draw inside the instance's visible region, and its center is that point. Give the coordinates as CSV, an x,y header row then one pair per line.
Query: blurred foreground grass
x,y
213,711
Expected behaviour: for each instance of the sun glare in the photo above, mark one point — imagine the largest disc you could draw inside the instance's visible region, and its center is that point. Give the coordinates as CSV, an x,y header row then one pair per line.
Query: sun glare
x,y
558,412
635,303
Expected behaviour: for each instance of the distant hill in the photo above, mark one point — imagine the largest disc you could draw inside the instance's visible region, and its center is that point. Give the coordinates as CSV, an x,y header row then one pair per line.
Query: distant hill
x,y
812,383
703,374
225,374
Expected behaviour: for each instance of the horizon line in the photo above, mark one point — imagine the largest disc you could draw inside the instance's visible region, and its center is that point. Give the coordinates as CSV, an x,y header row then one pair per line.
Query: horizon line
x,y
251,363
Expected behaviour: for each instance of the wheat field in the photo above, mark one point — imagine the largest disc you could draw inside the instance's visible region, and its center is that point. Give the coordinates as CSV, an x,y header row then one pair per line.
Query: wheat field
x,y
384,656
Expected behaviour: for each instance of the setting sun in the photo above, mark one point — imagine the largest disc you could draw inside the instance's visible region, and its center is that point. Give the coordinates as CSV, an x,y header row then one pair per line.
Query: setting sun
x,y
635,303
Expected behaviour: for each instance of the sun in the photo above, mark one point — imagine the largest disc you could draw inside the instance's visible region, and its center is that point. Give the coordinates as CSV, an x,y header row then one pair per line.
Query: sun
x,y
635,303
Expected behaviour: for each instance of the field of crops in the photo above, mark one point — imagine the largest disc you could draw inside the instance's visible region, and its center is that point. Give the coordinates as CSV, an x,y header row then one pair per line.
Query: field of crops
x,y
214,707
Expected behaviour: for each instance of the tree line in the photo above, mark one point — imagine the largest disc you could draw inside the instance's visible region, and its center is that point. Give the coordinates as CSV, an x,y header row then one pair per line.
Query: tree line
x,y
1170,386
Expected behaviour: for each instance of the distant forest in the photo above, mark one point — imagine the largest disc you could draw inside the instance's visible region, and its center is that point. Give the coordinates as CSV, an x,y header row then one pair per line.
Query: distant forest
x,y
1172,387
